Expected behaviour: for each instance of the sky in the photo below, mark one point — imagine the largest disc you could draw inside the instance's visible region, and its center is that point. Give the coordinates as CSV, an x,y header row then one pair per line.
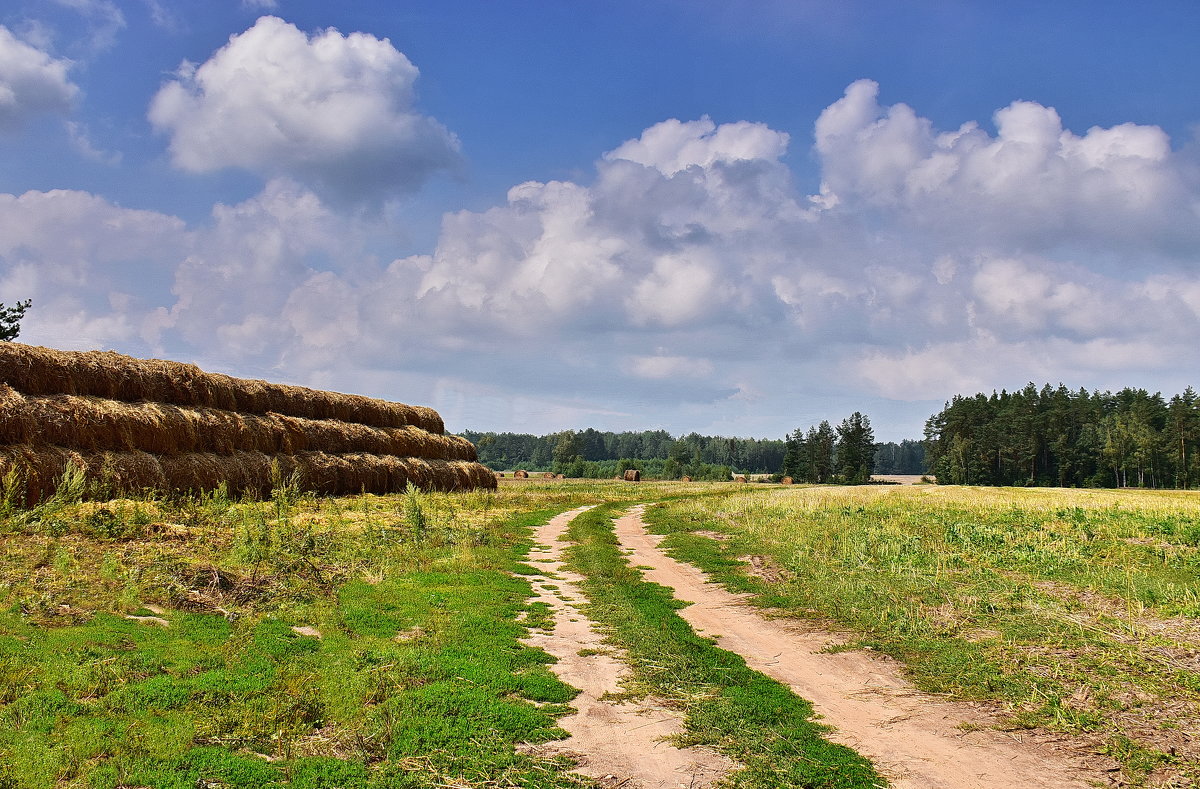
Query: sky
x,y
733,218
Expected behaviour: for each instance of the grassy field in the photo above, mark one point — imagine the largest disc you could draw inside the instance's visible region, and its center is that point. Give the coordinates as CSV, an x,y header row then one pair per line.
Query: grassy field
x,y
1077,611
351,642
374,641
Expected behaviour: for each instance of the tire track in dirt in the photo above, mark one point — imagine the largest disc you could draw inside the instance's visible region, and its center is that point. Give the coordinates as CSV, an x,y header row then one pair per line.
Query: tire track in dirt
x,y
617,744
918,741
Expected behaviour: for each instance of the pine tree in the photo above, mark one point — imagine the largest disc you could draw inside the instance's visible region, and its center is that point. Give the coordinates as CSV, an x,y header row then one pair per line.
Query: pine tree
x,y
855,449
10,319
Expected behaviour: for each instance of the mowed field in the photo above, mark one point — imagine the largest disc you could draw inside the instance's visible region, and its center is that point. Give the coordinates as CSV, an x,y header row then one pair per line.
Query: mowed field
x,y
397,641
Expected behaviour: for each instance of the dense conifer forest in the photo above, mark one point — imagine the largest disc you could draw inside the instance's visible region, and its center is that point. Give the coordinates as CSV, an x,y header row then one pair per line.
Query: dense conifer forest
x,y
1067,438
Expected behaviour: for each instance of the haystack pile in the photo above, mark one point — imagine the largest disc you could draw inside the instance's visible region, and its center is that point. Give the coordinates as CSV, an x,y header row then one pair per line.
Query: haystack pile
x,y
135,424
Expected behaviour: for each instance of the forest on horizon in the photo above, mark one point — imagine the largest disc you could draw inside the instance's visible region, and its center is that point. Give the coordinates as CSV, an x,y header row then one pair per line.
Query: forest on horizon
x,y
657,451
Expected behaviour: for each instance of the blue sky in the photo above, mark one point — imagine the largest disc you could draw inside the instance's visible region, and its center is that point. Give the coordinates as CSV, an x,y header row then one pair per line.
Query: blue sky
x,y
725,217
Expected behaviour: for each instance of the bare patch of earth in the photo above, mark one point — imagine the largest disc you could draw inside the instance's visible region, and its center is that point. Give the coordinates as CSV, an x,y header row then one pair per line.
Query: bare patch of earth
x,y
762,567
623,744
712,535
917,740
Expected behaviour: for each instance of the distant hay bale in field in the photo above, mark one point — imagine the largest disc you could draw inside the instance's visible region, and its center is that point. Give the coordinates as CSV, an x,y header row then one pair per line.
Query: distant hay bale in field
x,y
499,475
685,478
134,424
548,475
740,478
786,481
521,474
560,476
633,475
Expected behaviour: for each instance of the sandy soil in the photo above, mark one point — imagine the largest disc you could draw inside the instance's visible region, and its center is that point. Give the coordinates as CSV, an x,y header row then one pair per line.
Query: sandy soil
x,y
916,740
904,479
619,744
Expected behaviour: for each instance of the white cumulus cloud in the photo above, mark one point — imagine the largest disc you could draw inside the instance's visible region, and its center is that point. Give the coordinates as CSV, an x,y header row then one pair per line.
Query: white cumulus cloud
x,y
31,82
330,110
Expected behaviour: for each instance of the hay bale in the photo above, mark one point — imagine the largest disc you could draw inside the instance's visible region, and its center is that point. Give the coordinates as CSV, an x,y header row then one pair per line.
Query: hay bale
x,y
43,371
685,478
97,424
242,472
560,476
740,478
521,474
632,475
499,475
548,475
786,481
135,424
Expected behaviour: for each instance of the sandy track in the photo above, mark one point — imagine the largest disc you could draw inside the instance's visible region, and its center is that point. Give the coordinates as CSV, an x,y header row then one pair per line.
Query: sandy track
x,y
916,740
619,744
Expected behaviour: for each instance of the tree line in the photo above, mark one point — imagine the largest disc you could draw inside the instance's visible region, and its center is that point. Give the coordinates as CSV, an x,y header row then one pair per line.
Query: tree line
x,y
904,457
652,448
1055,436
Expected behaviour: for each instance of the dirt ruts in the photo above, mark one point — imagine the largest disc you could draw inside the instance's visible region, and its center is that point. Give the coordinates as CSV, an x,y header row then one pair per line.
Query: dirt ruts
x,y
618,744
918,741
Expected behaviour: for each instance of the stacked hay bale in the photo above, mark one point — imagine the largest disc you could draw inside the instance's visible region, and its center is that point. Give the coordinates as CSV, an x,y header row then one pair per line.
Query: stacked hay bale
x,y
632,475
137,424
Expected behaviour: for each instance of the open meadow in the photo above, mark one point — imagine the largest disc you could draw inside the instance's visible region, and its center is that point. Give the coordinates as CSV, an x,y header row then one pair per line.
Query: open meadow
x,y
380,641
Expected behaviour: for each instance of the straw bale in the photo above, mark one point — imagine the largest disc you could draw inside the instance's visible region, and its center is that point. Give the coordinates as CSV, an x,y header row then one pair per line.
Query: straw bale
x,y
91,423
242,472
548,475
740,478
521,474
34,370
685,478
560,476
633,475
786,481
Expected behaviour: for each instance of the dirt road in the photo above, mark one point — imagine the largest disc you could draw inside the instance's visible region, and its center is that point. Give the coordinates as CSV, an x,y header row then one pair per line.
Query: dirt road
x,y
916,740
619,744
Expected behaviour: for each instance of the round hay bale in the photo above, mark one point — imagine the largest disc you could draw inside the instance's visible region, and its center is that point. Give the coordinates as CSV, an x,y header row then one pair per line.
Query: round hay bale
x,y
560,476
521,474
499,475
685,478
548,475
740,478
786,481
633,475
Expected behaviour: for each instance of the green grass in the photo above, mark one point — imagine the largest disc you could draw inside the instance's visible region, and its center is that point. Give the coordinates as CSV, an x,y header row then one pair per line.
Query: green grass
x,y
753,719
418,678
1070,610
